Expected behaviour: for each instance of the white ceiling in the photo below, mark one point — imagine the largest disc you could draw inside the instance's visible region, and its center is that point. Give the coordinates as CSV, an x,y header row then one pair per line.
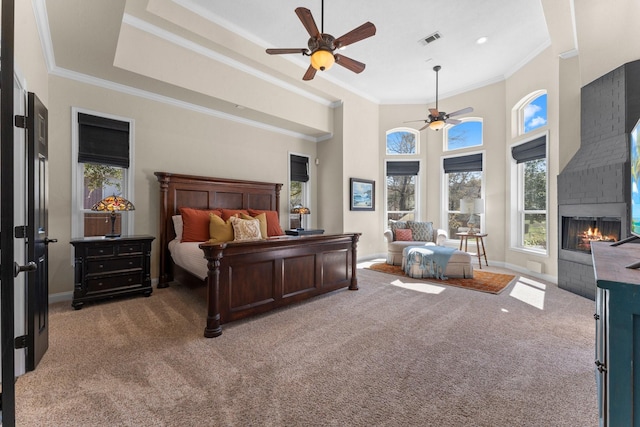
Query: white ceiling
x,y
399,67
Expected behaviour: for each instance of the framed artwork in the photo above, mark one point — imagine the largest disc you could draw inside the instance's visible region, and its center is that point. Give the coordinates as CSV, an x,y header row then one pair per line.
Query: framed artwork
x,y
362,195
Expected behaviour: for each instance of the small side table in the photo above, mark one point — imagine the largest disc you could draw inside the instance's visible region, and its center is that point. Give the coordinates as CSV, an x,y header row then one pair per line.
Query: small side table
x,y
464,238
298,232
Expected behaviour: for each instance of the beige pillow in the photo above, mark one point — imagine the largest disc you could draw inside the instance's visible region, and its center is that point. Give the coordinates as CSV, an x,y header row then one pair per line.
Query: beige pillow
x,y
219,230
262,218
245,229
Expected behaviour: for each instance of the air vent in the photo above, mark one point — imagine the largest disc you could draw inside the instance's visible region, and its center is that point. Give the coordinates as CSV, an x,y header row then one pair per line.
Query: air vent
x,y
430,38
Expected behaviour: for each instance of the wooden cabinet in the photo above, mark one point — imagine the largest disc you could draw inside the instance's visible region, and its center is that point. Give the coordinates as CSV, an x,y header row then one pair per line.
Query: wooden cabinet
x,y
111,267
617,333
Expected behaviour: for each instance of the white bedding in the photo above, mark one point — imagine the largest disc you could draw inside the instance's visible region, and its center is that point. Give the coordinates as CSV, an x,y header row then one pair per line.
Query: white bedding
x,y
189,256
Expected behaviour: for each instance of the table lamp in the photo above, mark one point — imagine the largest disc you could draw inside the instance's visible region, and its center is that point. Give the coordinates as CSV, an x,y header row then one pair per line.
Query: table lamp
x,y
472,207
300,210
112,204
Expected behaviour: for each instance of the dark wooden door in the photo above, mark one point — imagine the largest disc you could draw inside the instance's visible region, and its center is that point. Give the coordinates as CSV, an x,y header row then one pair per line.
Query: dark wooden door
x,y
37,232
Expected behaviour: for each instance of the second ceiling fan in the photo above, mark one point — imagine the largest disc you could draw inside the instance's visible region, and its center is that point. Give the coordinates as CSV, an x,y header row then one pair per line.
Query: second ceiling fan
x,y
322,45
437,119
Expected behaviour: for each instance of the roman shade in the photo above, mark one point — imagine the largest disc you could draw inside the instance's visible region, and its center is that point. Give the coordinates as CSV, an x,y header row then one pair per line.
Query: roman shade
x,y
299,168
103,141
531,150
471,163
403,168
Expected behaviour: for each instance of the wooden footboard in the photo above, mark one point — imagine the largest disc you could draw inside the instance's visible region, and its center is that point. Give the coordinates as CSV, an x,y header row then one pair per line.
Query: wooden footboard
x,y
249,278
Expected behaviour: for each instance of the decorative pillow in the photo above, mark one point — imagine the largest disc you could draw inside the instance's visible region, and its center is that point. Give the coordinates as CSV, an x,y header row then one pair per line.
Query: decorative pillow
x,y
228,213
245,229
220,231
404,234
262,219
422,231
196,224
273,222
397,225
177,226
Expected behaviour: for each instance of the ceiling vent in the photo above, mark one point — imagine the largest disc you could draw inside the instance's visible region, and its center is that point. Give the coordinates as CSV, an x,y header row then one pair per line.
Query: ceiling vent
x,y
430,38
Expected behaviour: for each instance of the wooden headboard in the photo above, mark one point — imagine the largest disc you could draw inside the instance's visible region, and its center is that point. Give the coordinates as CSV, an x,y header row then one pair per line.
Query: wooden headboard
x,y
201,192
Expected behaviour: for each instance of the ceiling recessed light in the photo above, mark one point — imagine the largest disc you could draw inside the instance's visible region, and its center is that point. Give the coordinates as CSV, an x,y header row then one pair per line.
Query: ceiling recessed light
x,y
482,40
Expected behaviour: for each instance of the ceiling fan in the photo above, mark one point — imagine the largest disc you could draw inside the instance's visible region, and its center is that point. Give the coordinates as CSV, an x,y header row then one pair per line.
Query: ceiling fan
x,y
322,45
437,119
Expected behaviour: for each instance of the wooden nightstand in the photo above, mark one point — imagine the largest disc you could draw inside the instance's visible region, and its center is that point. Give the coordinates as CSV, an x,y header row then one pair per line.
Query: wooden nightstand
x,y
296,232
111,267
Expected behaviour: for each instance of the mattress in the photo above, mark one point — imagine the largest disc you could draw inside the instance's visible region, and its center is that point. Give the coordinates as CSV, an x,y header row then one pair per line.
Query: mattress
x,y
190,257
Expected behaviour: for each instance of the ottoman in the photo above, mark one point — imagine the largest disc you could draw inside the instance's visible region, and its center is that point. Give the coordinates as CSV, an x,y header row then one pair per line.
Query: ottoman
x,y
459,264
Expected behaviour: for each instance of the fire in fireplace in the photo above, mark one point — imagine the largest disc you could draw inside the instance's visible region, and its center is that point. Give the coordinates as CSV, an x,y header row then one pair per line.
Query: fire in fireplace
x,y
579,232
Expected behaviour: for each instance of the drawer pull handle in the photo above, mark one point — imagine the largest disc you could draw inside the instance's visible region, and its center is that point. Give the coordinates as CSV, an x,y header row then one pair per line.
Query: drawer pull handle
x,y
101,266
99,283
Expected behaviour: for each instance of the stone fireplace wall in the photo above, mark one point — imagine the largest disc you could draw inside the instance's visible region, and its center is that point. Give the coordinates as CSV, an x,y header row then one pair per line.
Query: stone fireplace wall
x,y
597,174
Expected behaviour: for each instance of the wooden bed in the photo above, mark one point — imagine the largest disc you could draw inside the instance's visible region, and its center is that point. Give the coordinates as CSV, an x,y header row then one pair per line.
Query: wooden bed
x,y
248,278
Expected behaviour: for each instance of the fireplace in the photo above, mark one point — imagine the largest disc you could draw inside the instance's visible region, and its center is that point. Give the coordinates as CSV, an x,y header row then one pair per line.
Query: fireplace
x,y
580,225
579,231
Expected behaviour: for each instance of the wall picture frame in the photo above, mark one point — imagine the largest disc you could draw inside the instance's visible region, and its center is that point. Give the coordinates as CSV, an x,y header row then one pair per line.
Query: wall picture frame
x,y
362,196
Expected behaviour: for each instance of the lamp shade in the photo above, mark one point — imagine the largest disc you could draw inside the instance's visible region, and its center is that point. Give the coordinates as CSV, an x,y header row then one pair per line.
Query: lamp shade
x,y
472,206
436,125
300,210
322,59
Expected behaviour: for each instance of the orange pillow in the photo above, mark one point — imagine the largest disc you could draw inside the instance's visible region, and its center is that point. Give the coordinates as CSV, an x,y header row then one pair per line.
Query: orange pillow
x,y
273,222
195,222
228,213
404,234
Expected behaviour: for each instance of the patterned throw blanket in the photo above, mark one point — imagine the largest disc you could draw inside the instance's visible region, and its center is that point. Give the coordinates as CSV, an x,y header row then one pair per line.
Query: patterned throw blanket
x,y
432,259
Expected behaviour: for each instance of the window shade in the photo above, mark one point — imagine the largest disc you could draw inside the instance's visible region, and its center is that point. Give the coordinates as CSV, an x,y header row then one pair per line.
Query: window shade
x,y
532,150
471,163
299,168
403,168
102,140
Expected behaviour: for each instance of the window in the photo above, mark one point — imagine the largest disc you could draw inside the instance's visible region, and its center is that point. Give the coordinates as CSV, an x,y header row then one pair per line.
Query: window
x,y
102,150
531,112
530,167
463,179
463,135
298,188
401,190
402,141
401,183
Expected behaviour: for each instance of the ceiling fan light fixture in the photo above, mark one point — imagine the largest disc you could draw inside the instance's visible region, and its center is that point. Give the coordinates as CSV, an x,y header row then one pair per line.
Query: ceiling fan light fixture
x,y
436,125
322,60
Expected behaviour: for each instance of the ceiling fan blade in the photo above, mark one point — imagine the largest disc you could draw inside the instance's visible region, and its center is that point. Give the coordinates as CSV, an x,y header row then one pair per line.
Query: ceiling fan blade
x,y
362,32
302,50
310,74
424,127
307,20
463,111
413,121
452,121
434,112
349,64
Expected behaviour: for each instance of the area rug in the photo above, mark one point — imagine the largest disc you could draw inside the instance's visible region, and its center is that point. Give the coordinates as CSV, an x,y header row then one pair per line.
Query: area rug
x,y
482,281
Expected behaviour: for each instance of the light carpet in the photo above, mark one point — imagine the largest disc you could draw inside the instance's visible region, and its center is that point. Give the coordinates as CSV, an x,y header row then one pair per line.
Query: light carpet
x,y
384,355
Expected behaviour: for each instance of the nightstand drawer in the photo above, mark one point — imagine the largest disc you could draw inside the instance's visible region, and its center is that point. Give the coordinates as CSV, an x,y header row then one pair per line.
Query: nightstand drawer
x,y
130,248
106,265
100,251
112,282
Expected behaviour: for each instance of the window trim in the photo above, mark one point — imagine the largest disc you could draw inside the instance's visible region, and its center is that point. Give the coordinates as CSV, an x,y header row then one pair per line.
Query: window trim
x,y
444,193
77,221
445,138
517,196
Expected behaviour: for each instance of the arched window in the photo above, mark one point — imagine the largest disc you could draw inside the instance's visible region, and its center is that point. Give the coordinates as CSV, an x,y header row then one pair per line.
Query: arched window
x,y
463,135
402,141
531,112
